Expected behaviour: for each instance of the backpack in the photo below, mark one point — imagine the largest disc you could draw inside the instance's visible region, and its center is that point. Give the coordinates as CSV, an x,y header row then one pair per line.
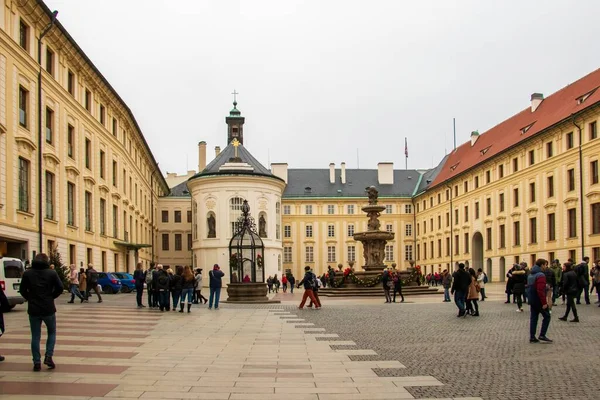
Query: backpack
x,y
93,277
163,280
313,282
148,277
485,278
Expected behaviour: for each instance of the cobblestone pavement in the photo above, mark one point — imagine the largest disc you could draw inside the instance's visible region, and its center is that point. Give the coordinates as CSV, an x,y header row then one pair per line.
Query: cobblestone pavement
x,y
488,356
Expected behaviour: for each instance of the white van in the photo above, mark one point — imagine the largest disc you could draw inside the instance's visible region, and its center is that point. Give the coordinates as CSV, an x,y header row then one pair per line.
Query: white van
x,y
11,272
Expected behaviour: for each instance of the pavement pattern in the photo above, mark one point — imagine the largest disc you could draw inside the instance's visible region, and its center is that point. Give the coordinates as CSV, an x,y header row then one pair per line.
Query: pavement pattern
x,y
114,350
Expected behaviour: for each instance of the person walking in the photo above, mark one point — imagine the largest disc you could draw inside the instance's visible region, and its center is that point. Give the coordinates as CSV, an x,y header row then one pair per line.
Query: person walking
x,y
4,307
139,279
83,283
92,282
292,281
481,281
557,271
473,294
309,282
270,283
446,283
538,301
198,287
276,283
570,287
387,284
550,282
40,285
175,285
148,278
74,284
284,283
316,292
215,283
596,279
460,285
509,285
397,286
163,286
187,288
583,276
519,279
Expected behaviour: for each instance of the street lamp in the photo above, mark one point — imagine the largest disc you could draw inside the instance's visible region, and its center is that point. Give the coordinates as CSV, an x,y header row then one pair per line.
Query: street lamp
x,y
40,141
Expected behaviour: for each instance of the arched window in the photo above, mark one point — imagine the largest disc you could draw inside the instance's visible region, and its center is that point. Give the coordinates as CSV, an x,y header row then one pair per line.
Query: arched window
x,y
235,212
278,221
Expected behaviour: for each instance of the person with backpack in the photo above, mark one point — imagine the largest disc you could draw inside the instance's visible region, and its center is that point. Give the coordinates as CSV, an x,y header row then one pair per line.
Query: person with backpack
x,y
92,282
292,281
538,301
40,285
397,286
447,283
215,283
570,287
309,282
481,280
175,285
138,277
583,279
163,285
148,279
557,271
460,286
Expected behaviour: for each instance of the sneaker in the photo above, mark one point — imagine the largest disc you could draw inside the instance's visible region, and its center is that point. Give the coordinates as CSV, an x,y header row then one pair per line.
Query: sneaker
x,y
37,367
49,362
545,339
534,340
563,318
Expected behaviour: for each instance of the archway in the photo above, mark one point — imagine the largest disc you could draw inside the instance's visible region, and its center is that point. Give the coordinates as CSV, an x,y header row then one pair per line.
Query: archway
x,y
502,269
488,269
477,251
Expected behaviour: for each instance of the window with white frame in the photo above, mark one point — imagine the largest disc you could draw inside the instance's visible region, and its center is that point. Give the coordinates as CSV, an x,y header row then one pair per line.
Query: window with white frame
x,y
330,230
388,209
309,254
389,252
287,231
408,252
350,230
351,253
408,208
330,253
287,254
308,209
389,228
330,209
287,210
309,231
350,208
408,229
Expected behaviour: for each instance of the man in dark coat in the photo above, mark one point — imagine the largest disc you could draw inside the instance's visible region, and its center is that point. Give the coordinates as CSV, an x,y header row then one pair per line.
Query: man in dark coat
x,y
570,287
460,286
538,301
40,285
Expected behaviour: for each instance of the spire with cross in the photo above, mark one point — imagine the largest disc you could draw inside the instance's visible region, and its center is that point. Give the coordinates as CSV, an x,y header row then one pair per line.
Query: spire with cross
x,y
235,123
234,97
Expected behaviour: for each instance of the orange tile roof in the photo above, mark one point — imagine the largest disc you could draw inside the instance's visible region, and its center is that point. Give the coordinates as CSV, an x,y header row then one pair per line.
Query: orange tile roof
x,y
553,109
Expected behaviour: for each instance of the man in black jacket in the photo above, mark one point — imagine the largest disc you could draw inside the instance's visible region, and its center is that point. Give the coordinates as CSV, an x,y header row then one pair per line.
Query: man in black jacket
x,y
163,283
460,285
583,276
570,287
40,286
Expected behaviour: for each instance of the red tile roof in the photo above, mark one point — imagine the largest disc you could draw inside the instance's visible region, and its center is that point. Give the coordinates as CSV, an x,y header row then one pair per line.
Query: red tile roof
x,y
553,109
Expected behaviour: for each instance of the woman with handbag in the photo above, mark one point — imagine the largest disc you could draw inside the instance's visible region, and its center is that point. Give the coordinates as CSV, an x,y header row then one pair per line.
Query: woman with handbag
x,y
473,295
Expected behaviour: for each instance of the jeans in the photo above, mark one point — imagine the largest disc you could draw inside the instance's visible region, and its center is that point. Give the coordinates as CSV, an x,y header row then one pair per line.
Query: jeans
x,y
176,295
292,288
446,294
586,290
570,305
74,289
35,323
459,299
150,296
483,296
139,291
533,320
163,300
215,294
189,293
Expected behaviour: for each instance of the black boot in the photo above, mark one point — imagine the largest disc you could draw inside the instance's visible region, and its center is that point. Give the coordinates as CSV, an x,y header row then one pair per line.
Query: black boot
x,y
181,307
189,307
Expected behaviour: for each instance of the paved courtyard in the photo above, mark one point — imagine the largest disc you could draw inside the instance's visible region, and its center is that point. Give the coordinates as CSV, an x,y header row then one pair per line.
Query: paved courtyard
x,y
351,349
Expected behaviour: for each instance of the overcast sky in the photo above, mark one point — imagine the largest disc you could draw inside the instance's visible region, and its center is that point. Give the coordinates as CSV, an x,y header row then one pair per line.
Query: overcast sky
x,y
320,79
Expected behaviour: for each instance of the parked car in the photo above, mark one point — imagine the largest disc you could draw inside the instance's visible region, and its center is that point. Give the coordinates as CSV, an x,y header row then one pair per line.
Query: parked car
x,y
109,282
127,281
11,272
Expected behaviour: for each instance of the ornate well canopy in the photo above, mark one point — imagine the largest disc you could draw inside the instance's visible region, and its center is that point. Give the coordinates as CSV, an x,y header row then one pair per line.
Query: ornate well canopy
x,y
246,251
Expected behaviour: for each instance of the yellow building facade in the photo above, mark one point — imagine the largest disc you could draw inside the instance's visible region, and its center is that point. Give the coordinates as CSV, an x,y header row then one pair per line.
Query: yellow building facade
x,y
100,183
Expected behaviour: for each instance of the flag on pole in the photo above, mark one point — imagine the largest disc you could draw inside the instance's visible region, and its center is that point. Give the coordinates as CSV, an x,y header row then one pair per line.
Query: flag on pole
x,y
405,147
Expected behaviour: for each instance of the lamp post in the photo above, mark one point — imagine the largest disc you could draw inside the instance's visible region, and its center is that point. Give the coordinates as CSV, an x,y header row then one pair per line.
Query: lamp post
x,y
40,139
185,191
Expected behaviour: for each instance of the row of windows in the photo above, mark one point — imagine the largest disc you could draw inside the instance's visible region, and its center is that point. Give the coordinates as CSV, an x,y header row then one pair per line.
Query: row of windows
x,y
177,237
308,230
176,216
516,233
350,252
350,209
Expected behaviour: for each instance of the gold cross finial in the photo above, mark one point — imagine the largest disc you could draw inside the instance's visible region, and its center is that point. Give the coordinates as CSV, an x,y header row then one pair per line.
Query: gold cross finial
x,y
235,144
234,97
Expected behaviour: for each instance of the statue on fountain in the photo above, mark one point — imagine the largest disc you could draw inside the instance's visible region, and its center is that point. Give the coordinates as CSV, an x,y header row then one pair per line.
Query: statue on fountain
x,y
373,193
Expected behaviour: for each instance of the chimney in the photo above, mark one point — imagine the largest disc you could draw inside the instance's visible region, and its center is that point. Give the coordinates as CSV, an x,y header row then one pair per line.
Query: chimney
x,y
385,173
332,173
536,100
344,173
201,156
474,137
217,151
280,170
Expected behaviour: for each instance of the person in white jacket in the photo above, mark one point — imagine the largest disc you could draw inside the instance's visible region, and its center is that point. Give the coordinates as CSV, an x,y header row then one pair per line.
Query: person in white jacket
x,y
481,280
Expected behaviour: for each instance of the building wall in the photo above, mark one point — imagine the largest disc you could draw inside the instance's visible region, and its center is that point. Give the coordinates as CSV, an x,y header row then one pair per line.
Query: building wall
x,y
96,144
171,255
497,259
321,218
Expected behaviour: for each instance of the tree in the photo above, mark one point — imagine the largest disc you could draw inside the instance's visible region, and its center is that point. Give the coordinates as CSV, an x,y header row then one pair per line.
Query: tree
x,y
61,269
